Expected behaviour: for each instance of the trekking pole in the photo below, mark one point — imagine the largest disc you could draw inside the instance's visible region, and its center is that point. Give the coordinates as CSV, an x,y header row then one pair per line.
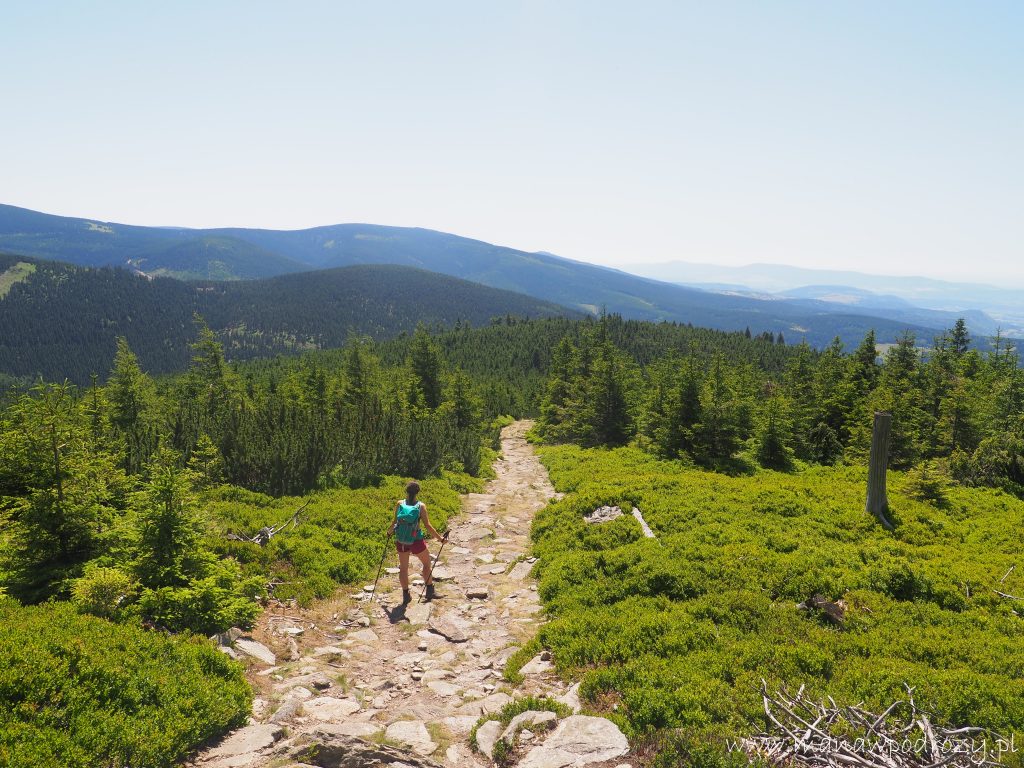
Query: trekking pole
x,y
436,557
380,568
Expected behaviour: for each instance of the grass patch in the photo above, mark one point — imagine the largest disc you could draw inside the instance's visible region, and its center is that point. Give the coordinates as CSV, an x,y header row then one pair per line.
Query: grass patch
x,y
13,275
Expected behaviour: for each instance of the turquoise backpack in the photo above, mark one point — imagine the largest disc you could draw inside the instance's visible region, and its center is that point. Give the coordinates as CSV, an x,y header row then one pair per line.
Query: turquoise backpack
x,y
408,529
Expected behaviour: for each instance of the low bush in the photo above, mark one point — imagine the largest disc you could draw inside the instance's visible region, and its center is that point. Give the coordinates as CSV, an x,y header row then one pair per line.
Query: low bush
x,y
81,692
673,635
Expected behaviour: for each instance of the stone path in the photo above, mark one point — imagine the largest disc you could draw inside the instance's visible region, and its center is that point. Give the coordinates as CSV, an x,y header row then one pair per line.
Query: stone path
x,y
368,675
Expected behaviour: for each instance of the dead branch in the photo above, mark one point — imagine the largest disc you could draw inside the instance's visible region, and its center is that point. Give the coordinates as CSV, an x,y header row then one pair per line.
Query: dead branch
x,y
826,735
263,536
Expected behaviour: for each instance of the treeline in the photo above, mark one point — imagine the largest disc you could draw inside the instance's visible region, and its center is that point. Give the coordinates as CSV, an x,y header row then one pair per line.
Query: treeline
x,y
956,410
98,490
509,360
63,322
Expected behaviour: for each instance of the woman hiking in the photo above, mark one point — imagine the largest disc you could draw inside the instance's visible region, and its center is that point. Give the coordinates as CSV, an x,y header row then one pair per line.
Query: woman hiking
x,y
409,515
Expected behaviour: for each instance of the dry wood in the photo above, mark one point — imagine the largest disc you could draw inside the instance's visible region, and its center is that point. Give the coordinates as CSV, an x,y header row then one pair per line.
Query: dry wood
x,y
263,536
850,736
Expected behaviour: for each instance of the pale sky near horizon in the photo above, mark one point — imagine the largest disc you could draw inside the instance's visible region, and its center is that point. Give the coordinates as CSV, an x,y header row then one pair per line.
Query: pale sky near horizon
x,y
875,136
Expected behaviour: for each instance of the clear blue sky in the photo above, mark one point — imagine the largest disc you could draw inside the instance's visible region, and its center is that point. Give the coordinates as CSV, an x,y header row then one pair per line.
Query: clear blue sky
x,y
877,136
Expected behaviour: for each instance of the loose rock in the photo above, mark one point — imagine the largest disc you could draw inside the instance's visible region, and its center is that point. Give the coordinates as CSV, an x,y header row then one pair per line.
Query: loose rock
x,y
258,651
577,741
487,736
330,708
412,733
446,627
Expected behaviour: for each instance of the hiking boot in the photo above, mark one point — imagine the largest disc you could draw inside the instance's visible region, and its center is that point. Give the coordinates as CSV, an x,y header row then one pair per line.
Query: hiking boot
x,y
406,597
430,595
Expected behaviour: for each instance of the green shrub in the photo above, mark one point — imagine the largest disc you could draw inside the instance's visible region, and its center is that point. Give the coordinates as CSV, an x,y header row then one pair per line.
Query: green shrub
x,y
81,692
103,592
673,636
928,482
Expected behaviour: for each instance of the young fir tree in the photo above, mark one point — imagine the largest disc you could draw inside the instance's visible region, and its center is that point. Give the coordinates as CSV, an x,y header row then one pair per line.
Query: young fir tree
x,y
425,363
718,436
70,493
832,392
557,402
773,452
607,408
167,526
674,411
133,409
798,387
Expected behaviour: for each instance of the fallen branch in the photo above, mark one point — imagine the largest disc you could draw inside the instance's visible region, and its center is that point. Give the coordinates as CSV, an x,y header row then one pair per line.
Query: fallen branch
x,y
833,736
1008,597
263,536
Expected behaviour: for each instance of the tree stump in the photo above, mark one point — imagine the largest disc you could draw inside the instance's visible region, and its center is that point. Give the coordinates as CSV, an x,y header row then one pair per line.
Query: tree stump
x,y
878,500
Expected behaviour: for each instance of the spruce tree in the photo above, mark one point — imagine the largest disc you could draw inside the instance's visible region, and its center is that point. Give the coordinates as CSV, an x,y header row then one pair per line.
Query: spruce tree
x,y
133,409
425,363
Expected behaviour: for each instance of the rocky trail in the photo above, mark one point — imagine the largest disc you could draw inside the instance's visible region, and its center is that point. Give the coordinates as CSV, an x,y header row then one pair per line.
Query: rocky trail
x,y
361,683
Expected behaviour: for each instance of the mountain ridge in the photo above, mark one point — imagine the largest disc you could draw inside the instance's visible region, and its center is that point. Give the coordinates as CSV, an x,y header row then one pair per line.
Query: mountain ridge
x,y
238,252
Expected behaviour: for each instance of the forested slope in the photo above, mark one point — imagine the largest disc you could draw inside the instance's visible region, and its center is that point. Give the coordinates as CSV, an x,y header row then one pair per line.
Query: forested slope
x,y
250,253
61,321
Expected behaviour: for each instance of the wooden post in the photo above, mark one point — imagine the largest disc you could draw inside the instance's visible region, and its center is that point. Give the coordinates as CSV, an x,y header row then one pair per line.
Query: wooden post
x,y
878,500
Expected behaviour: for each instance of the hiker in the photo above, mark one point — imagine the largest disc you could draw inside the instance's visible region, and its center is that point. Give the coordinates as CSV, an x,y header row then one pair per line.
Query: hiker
x,y
409,515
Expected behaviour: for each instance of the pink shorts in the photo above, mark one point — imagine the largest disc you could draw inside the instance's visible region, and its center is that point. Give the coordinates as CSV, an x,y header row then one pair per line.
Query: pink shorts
x,y
415,548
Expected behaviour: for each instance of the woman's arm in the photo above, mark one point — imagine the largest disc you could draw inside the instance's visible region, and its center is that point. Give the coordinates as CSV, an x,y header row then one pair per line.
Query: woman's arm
x,y
426,523
394,523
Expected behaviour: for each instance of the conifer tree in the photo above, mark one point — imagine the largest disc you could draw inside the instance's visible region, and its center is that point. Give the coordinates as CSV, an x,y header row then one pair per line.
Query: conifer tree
x,y
718,435
133,409
167,526
71,493
773,452
425,362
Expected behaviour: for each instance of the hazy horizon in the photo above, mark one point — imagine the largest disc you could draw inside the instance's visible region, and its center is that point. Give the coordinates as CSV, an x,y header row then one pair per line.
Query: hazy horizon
x,y
867,138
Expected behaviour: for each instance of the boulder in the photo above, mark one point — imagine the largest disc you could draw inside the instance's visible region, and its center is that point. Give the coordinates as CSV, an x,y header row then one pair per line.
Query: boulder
x,y
412,733
247,740
328,750
603,515
364,636
445,626
577,741
442,688
487,736
289,709
418,613
536,719
571,698
330,708
459,725
348,728
477,592
258,651
536,666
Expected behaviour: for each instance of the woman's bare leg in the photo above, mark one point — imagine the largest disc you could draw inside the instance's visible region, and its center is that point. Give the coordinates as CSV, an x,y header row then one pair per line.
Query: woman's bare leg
x,y
403,570
424,557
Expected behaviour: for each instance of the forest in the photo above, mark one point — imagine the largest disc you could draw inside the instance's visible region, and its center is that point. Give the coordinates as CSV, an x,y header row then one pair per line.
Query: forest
x,y
62,321
746,453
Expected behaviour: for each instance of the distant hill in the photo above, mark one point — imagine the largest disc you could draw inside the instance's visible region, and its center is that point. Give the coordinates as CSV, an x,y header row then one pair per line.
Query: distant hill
x,y
58,320
997,306
252,253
